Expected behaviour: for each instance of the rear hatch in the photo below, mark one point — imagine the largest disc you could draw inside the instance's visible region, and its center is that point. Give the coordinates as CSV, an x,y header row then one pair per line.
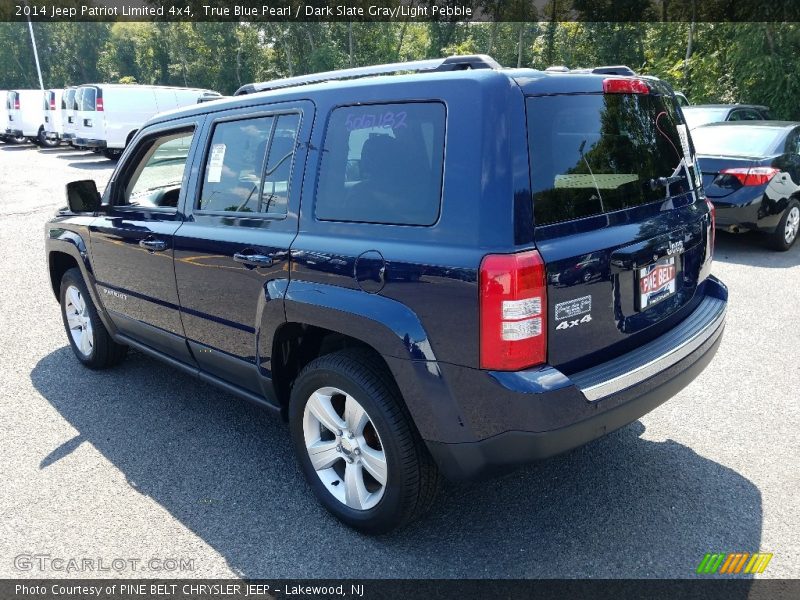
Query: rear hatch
x,y
14,117
50,110
68,110
89,122
619,223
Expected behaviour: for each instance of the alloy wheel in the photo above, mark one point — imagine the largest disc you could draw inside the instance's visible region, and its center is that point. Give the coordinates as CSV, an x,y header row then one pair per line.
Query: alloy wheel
x,y
345,448
792,225
79,320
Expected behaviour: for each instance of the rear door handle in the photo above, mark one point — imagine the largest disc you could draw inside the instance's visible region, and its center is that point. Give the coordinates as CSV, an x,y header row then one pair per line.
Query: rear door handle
x,y
153,245
253,260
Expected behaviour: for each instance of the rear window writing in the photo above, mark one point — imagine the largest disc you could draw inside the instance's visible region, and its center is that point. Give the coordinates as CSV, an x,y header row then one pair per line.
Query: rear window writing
x,y
383,164
597,153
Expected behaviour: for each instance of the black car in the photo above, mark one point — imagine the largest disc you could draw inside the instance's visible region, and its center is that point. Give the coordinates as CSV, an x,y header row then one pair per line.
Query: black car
x,y
702,114
372,253
751,172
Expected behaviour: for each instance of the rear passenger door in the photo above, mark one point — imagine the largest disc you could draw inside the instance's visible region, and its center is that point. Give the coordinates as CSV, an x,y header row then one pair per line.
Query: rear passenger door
x,y
132,240
232,254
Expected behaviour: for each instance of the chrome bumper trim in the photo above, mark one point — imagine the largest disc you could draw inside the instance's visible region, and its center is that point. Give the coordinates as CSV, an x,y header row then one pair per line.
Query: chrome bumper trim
x,y
625,371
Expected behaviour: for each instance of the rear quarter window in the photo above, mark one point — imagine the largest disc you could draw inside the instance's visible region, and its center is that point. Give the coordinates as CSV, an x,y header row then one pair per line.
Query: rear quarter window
x,y
382,163
597,153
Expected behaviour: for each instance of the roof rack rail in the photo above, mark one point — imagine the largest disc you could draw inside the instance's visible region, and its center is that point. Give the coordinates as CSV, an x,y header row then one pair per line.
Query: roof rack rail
x,y
451,63
607,70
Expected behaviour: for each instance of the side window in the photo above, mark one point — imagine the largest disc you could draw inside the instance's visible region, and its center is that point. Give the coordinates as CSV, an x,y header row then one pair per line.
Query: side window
x,y
156,179
793,142
249,165
382,163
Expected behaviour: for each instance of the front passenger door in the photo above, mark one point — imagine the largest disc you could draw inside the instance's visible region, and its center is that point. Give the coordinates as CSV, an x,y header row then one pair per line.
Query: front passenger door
x,y
132,242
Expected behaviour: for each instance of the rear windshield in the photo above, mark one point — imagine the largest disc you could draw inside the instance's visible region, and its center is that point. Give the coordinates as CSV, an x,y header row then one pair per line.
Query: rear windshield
x,y
732,140
87,99
67,99
702,116
597,153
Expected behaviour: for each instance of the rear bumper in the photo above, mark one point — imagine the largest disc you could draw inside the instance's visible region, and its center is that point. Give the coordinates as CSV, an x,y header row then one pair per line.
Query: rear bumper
x,y
89,143
68,136
14,133
749,208
51,135
545,412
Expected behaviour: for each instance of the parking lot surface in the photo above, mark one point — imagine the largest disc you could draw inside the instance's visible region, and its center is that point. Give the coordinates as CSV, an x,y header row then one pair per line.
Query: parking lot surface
x,y
143,462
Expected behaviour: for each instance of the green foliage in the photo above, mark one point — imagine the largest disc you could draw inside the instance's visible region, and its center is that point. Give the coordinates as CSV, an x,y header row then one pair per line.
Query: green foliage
x,y
728,62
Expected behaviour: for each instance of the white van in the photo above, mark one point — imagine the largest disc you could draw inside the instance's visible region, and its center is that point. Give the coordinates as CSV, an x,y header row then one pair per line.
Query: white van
x,y
25,117
109,115
3,115
53,124
68,114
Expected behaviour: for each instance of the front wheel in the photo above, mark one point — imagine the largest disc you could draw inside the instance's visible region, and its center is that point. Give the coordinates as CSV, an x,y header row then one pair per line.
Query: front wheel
x,y
357,445
88,337
786,233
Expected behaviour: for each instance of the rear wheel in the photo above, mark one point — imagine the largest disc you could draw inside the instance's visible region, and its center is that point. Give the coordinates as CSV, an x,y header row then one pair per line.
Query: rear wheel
x,y
357,445
785,234
88,337
44,142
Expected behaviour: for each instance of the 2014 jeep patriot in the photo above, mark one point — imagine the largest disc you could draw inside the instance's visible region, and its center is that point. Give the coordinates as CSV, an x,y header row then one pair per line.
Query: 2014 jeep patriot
x,y
451,270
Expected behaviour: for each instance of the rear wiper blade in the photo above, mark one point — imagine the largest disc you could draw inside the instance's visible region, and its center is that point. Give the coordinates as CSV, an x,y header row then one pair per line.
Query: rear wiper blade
x,y
659,182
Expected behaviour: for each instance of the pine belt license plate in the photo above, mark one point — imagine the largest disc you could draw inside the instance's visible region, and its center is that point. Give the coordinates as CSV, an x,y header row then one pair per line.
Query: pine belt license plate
x,y
657,282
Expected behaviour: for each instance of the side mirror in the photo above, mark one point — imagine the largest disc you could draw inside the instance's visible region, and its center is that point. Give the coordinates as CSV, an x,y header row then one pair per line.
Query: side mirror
x,y
83,197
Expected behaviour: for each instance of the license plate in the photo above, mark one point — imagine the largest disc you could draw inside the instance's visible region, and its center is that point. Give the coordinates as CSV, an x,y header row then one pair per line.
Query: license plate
x,y
657,282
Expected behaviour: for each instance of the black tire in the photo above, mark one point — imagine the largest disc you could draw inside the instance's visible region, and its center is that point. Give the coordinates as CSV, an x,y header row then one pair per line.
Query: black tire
x,y
778,239
44,142
15,140
111,154
104,351
412,477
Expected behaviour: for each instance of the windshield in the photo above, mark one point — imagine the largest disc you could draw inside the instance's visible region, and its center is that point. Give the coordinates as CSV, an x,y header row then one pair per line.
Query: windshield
x,y
596,153
701,116
731,140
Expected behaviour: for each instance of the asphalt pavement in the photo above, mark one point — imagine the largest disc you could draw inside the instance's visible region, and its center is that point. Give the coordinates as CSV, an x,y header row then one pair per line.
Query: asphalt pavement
x,y
145,465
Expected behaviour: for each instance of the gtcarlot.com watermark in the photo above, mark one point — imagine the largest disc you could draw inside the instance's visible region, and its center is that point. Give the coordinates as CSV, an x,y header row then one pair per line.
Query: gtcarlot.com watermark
x,y
47,563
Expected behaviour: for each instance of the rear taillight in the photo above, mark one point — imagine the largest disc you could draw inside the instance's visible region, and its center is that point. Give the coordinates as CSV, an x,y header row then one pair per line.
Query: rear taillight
x,y
16,103
53,102
99,104
625,85
513,311
751,175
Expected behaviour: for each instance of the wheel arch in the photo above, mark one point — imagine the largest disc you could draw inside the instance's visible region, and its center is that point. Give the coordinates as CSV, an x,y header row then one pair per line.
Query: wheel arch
x,y
322,318
66,251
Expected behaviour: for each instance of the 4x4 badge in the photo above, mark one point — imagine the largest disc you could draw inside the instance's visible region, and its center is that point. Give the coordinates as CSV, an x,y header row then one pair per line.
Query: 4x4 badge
x,y
575,322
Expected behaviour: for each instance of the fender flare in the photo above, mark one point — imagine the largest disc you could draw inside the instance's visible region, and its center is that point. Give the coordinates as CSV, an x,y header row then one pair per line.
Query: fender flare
x,y
386,325
394,331
71,243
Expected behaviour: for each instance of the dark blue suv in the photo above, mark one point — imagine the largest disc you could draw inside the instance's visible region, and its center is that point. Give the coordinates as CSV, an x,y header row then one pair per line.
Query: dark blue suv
x,y
433,267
